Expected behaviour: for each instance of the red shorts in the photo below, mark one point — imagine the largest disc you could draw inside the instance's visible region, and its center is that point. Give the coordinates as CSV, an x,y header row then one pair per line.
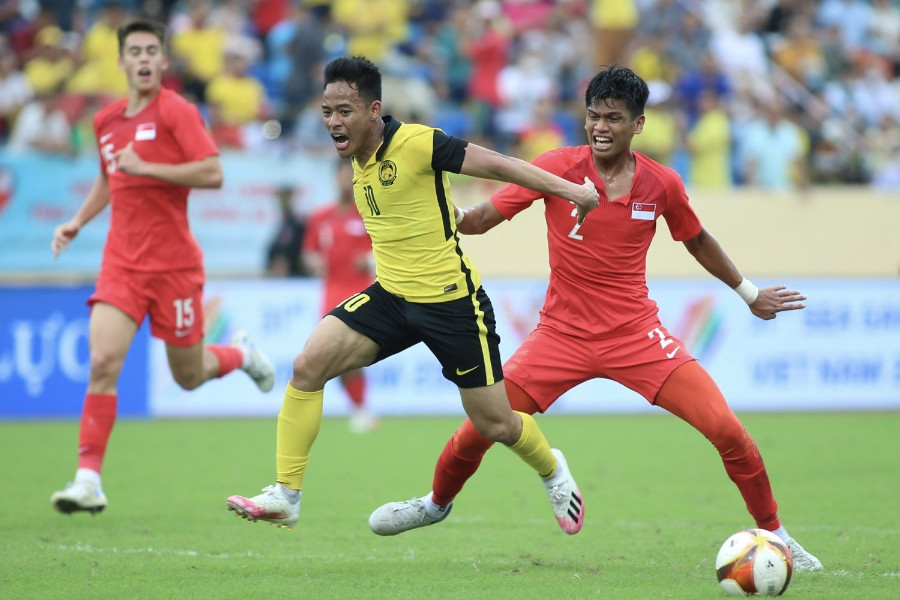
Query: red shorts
x,y
172,299
550,363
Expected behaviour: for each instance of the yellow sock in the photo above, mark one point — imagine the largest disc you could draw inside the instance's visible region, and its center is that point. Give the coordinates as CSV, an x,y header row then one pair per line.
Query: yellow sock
x,y
298,425
533,448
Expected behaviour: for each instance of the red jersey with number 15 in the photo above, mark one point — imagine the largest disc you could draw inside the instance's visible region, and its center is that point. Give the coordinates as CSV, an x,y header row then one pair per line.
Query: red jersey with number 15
x,y
598,283
149,228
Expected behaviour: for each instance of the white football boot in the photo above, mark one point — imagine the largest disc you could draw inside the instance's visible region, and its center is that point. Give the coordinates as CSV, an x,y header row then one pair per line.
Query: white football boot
x,y
271,506
79,496
565,498
260,367
396,517
803,560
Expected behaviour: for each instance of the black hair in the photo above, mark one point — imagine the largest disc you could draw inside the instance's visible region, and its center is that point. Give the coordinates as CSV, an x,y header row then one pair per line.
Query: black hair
x,y
618,83
359,73
157,29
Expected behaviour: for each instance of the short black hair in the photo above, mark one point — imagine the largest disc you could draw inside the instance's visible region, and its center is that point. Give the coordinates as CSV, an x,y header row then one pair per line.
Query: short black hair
x,y
359,73
157,29
618,83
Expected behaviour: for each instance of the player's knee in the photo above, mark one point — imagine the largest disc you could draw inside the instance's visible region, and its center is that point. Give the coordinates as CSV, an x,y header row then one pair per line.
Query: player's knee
x,y
733,441
188,380
105,366
496,431
307,375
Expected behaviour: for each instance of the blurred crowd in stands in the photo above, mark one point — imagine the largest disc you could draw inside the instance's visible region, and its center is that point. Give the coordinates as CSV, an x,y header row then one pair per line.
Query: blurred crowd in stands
x,y
777,94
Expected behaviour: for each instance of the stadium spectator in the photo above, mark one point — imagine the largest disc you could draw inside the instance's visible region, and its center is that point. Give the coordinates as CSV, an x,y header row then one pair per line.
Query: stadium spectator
x,y
772,149
853,18
99,73
542,131
15,91
661,135
742,56
240,96
42,126
692,84
296,49
337,249
198,47
486,43
884,30
709,145
427,290
154,147
602,262
51,62
372,27
284,257
521,85
614,23
800,54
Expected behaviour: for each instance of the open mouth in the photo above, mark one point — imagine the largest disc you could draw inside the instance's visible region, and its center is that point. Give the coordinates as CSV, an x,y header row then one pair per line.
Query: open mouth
x,y
602,142
341,141
144,73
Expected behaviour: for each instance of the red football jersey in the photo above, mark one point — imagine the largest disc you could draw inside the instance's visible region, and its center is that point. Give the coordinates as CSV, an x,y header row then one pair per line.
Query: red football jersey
x,y
598,283
340,236
149,228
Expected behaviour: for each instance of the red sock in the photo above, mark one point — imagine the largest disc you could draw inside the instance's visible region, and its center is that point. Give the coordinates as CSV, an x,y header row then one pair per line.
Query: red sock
x,y
459,460
230,358
355,386
97,419
463,453
745,467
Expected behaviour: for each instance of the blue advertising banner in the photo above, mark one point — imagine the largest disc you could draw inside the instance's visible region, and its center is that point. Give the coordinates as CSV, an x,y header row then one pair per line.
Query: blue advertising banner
x,y
44,360
38,192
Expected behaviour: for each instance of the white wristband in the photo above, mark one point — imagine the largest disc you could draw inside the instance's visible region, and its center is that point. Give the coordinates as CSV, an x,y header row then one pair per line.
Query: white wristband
x,y
747,291
460,216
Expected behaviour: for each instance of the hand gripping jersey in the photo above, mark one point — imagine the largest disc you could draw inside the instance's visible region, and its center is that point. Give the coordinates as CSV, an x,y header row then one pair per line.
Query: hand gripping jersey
x,y
149,228
403,196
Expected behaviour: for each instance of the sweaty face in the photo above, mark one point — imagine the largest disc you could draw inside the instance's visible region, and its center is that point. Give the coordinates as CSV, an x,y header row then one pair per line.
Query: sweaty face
x,y
348,118
143,61
609,127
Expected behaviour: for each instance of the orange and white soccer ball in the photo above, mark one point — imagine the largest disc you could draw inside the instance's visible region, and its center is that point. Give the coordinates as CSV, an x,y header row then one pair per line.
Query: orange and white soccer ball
x,y
754,561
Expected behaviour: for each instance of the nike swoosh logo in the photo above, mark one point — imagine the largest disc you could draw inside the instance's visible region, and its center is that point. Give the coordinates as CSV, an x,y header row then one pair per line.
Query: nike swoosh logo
x,y
672,353
105,137
458,372
182,333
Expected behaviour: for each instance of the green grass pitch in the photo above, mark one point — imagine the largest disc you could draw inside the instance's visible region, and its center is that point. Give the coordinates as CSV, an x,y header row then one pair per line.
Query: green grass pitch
x,y
658,505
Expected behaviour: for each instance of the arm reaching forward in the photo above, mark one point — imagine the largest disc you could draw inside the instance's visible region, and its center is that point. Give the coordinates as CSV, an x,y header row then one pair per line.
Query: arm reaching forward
x,y
487,164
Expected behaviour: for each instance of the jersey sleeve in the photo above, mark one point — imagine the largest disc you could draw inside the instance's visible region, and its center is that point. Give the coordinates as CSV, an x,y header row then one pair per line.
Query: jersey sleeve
x,y
512,199
190,131
681,219
447,152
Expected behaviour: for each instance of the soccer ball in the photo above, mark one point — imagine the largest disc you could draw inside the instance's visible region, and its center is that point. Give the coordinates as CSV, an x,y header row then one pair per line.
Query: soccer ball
x,y
754,561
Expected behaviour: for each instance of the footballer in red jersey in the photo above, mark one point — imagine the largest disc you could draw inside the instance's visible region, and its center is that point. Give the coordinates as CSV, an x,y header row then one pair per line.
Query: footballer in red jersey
x,y
598,320
338,249
154,147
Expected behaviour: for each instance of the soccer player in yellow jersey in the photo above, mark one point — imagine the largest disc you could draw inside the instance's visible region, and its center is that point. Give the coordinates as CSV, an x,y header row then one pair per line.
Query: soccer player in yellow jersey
x,y
426,290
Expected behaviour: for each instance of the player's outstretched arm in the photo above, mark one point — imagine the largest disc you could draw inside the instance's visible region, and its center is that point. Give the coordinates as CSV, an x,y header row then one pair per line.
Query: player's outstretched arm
x,y
488,164
477,219
96,200
203,173
765,303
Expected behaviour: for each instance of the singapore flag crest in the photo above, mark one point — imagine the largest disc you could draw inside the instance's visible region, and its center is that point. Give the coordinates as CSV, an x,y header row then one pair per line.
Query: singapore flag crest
x,y
643,212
